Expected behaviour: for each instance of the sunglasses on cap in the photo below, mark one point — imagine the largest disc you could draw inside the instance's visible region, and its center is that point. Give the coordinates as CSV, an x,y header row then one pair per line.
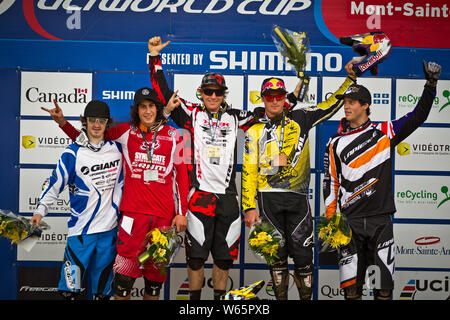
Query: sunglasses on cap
x,y
101,121
209,92
278,97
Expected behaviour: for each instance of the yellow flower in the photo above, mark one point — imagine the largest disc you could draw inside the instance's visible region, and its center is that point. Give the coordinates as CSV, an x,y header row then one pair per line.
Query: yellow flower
x,y
161,252
158,237
270,249
254,242
339,239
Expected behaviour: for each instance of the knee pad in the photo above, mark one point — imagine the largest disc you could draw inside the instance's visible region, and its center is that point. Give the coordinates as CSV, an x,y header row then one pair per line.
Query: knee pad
x,y
196,263
123,284
353,292
279,272
382,294
152,288
303,279
223,264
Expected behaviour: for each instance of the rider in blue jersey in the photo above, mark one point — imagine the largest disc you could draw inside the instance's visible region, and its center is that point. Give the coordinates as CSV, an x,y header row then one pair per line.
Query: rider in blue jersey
x,y
92,171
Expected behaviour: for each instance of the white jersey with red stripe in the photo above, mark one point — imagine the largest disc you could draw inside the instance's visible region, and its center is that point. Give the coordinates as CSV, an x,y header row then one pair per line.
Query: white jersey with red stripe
x,y
358,166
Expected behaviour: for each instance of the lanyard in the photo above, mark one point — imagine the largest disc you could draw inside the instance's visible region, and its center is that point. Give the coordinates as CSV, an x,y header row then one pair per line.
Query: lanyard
x,y
150,152
274,128
213,127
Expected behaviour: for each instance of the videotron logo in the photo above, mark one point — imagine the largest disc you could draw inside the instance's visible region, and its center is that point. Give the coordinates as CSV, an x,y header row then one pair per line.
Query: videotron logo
x,y
403,148
28,142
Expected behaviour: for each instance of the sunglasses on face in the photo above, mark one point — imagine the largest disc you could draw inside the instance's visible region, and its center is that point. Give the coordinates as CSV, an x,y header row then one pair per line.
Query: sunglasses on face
x,y
102,121
209,92
278,97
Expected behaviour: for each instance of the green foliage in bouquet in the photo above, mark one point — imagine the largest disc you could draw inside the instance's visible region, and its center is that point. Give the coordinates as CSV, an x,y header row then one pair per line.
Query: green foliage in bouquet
x,y
18,228
161,246
293,46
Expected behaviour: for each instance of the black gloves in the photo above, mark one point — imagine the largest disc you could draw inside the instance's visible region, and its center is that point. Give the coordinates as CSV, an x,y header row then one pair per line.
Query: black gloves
x,y
432,72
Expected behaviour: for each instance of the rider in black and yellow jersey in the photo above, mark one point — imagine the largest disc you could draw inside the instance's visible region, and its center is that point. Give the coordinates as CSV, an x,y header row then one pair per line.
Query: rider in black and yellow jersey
x,y
276,172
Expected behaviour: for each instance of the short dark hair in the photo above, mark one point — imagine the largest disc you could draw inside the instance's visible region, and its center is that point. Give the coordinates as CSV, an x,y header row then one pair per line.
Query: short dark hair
x,y
362,102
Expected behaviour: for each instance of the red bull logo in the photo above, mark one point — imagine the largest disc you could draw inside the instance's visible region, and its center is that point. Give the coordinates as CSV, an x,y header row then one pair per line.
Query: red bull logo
x,y
273,84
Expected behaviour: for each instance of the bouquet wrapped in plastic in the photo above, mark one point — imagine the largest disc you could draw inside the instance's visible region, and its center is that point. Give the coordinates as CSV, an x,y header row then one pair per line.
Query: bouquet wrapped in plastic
x,y
335,231
264,241
245,293
162,245
18,228
294,47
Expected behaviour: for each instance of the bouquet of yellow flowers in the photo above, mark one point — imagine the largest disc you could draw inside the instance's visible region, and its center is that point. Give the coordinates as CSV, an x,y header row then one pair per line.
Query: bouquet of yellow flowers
x,y
335,231
264,242
162,245
18,228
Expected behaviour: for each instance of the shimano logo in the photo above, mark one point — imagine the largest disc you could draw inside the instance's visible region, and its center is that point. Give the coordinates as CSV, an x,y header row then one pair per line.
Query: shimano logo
x,y
117,95
271,60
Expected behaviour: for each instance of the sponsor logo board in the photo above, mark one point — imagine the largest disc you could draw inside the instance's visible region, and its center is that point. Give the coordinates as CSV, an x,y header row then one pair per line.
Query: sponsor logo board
x,y
42,141
422,197
425,149
421,245
51,243
71,90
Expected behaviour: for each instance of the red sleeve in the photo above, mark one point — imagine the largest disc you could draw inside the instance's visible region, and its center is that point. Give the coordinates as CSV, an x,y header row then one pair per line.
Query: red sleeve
x,y
116,132
181,178
70,130
158,79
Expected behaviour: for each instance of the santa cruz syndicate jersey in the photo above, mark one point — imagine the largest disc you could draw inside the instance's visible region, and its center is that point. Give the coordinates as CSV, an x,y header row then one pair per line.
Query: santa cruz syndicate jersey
x,y
213,137
267,140
358,168
149,197
94,180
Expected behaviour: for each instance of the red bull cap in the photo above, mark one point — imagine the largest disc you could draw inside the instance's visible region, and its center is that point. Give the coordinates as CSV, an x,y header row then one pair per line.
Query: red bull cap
x,y
273,84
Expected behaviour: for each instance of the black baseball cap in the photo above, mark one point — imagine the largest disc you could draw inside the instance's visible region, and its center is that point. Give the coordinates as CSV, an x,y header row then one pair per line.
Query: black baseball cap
x,y
96,108
213,78
147,93
357,92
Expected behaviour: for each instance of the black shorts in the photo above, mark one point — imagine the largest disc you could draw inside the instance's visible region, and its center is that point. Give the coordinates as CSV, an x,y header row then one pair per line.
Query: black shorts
x,y
290,214
372,245
214,225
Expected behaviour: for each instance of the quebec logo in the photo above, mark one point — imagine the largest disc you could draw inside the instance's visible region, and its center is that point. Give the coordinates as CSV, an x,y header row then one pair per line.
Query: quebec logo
x,y
381,98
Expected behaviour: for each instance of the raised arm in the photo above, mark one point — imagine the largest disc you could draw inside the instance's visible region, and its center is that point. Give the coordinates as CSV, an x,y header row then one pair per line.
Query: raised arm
x,y
180,113
401,128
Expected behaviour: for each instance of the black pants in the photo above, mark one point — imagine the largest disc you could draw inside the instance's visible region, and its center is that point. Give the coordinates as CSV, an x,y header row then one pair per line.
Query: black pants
x,y
290,214
372,244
